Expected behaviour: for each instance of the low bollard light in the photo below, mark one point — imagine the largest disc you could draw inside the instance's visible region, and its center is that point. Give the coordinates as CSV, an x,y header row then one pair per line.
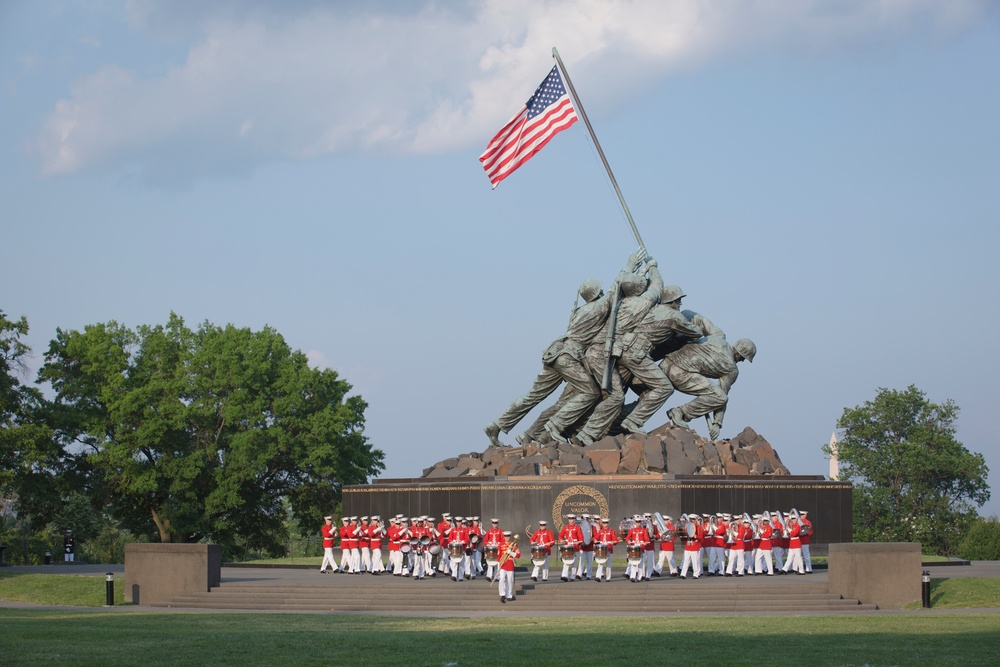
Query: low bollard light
x,y
109,585
925,579
48,557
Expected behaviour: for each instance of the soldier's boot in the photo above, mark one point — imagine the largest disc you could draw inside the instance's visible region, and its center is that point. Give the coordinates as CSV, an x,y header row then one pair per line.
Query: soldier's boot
x,y
677,417
492,431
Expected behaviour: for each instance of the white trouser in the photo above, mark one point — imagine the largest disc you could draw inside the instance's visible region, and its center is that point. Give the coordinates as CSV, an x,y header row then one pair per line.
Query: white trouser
x,y
569,571
328,558
345,559
458,568
794,561
779,555
355,560
506,582
648,562
468,565
376,559
806,558
692,559
419,564
763,561
366,559
667,555
584,564
712,558
544,569
604,569
477,562
737,562
444,566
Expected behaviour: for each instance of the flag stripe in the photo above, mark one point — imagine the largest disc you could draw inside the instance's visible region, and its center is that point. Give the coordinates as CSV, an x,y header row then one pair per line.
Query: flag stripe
x,y
548,112
526,140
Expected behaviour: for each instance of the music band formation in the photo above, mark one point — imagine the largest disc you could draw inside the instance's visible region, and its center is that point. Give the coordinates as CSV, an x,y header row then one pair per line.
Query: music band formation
x,y
721,544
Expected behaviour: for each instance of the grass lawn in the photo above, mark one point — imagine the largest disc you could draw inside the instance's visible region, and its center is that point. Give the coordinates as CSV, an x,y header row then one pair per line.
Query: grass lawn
x,y
58,589
115,638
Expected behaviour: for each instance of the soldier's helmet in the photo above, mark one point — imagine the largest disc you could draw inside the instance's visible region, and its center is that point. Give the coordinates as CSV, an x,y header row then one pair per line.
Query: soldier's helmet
x,y
671,293
590,289
746,348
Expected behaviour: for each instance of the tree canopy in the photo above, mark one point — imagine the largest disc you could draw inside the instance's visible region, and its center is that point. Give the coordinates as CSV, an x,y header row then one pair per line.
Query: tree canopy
x,y
214,433
29,458
913,481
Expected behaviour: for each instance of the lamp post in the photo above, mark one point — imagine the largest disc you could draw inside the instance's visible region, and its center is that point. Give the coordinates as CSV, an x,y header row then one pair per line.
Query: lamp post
x,y
109,589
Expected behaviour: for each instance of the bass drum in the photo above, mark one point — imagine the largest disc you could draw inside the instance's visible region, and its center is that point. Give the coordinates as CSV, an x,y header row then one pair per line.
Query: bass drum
x,y
538,554
492,554
568,554
634,554
601,553
456,552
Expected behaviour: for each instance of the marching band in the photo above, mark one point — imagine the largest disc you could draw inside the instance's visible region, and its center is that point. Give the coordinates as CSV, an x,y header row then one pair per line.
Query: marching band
x,y
720,544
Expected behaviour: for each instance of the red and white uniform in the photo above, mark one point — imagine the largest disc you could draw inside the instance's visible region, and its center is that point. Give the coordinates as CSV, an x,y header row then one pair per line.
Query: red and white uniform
x,y
667,549
763,558
345,547
545,538
638,536
375,535
506,574
329,534
570,535
737,551
608,536
458,534
692,553
474,565
806,539
794,560
492,538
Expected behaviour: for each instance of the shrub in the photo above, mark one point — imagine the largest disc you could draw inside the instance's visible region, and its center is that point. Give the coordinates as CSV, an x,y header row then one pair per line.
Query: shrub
x,y
982,542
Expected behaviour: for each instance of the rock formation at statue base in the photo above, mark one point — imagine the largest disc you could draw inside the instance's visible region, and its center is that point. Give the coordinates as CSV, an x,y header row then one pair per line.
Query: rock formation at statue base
x,y
667,449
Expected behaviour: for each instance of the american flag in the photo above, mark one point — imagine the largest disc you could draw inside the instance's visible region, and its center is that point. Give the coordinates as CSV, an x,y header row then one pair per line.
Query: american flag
x,y
548,112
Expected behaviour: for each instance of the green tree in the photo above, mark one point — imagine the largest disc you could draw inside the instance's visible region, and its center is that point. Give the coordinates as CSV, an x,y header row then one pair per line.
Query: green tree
x,y
913,481
204,434
30,458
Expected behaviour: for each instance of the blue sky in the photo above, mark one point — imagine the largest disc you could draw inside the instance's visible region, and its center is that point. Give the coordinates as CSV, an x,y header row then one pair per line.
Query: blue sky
x,y
819,176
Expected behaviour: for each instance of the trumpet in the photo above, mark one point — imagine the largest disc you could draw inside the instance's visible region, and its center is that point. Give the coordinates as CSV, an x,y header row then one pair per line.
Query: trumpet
x,y
508,552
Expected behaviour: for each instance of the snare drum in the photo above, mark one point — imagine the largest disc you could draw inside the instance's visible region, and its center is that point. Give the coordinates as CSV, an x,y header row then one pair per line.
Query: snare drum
x,y
634,554
568,554
600,553
456,551
492,554
538,554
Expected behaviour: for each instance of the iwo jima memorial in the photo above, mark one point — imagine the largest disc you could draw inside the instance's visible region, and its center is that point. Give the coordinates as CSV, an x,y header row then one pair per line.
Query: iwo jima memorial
x,y
625,352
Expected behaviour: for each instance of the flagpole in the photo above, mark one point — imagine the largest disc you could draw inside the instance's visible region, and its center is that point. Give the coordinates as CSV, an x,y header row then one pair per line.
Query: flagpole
x,y
586,121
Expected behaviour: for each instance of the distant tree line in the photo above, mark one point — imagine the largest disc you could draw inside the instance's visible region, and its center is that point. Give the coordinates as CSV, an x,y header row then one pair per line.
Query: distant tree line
x,y
172,434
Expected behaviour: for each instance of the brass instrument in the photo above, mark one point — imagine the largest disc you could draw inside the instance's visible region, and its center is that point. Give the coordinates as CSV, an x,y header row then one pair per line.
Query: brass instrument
x,y
508,553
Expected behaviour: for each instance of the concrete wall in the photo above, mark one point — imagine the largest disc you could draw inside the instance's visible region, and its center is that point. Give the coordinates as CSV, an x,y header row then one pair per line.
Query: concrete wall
x,y
884,573
159,572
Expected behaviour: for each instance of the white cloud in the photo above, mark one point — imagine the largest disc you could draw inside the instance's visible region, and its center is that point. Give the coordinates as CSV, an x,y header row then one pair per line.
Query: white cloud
x,y
269,81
